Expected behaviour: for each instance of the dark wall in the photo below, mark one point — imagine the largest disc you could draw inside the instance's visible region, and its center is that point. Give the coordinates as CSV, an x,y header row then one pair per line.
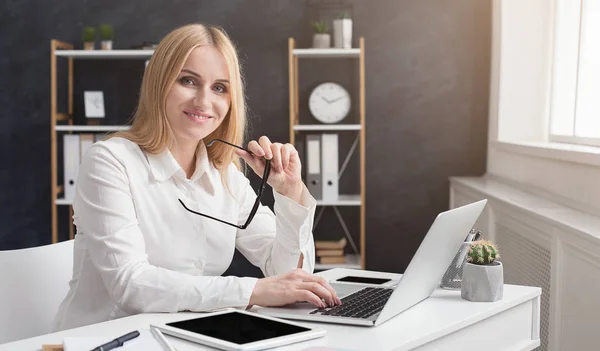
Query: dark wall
x,y
427,68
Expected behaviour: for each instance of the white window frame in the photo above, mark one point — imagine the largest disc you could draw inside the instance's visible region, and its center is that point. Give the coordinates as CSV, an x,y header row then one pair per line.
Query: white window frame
x,y
522,73
568,18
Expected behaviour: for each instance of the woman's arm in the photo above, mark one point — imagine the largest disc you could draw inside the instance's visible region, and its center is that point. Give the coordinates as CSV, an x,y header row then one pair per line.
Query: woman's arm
x,y
293,246
277,242
106,218
280,242
296,195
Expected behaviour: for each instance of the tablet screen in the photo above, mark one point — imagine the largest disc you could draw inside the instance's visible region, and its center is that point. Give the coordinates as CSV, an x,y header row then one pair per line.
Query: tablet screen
x,y
365,280
239,328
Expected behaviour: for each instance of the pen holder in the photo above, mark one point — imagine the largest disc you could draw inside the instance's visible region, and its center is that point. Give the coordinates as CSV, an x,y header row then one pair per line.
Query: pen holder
x,y
452,279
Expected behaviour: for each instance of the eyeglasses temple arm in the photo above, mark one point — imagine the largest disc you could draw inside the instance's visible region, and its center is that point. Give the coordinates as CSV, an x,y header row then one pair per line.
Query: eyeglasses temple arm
x,y
216,219
228,143
260,191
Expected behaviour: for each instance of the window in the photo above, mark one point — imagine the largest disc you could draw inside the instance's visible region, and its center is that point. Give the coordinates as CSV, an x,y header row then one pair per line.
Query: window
x,y
575,103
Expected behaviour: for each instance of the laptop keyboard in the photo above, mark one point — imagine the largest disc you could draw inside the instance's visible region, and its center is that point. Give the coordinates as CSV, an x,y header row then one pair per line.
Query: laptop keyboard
x,y
361,304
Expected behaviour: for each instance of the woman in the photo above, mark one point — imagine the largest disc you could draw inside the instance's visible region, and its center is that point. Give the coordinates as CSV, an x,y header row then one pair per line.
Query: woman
x,y
139,248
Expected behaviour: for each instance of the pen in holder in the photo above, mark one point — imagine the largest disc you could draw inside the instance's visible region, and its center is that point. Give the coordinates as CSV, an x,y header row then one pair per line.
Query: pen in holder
x,y
452,279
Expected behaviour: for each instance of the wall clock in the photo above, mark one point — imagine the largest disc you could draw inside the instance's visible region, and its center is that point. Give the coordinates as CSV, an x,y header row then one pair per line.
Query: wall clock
x,y
329,102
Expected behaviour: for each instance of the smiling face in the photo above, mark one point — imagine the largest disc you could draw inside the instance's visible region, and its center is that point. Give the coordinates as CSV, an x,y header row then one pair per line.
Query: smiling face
x,y
200,96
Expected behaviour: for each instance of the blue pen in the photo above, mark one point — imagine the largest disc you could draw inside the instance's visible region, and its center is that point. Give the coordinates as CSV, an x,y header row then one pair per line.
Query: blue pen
x,y
118,341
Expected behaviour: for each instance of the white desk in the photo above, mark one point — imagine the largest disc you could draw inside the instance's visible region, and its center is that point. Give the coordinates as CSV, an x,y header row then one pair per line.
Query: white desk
x,y
442,322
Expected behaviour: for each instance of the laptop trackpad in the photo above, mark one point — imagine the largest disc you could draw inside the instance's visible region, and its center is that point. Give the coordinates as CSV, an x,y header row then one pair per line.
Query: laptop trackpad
x,y
346,289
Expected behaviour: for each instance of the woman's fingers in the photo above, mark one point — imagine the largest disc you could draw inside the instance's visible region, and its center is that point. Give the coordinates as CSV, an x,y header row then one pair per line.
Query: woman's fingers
x,y
279,154
286,153
307,277
276,160
255,162
265,144
318,290
331,290
308,296
255,148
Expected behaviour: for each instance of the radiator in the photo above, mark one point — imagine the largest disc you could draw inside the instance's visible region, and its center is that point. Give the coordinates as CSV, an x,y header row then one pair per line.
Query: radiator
x,y
526,262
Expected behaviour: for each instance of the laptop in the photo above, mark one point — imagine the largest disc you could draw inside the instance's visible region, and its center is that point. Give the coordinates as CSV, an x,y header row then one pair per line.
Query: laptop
x,y
372,304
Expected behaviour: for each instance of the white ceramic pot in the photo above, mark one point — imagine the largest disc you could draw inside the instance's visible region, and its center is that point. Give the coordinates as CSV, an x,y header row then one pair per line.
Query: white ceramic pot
x,y
342,33
106,44
482,283
321,41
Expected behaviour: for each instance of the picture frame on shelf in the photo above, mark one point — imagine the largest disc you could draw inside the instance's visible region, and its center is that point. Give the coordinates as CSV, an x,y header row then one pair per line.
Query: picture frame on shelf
x,y
94,105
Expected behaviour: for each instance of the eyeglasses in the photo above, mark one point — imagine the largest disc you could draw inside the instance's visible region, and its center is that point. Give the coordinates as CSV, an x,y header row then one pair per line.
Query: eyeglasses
x,y
261,189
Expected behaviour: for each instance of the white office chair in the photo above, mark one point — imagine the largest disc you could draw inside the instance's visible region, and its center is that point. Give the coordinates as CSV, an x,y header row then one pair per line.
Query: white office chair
x,y
33,282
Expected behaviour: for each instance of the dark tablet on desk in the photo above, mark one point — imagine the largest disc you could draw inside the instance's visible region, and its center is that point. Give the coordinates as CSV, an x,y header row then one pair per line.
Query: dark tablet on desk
x,y
363,280
240,330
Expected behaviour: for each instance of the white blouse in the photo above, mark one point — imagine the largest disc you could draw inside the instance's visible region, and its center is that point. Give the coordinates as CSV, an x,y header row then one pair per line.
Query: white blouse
x,y
138,250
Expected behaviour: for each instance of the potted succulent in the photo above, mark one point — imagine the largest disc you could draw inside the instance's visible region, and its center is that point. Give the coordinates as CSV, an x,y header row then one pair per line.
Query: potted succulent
x,y
89,38
342,31
107,35
321,39
483,275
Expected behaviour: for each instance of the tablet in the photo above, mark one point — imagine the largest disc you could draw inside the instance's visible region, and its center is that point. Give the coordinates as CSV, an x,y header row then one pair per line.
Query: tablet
x,y
240,330
364,280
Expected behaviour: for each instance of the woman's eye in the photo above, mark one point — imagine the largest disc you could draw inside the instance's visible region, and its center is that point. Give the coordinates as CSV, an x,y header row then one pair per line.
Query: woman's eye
x,y
187,80
220,89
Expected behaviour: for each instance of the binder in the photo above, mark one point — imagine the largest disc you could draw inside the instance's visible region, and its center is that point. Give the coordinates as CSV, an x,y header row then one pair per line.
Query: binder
x,y
330,166
313,165
71,159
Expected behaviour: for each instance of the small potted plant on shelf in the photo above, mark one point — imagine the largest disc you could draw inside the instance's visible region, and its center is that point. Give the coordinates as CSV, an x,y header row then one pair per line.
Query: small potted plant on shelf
x,y
483,275
107,35
321,39
89,38
342,31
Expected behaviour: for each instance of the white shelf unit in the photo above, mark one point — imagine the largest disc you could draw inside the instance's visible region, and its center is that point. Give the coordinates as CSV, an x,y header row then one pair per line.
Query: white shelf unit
x,y
327,53
343,200
352,262
64,50
356,260
62,202
80,128
326,127
105,54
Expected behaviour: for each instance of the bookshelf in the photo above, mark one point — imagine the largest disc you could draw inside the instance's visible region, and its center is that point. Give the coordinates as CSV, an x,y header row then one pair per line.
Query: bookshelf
x,y
96,129
62,122
327,53
325,127
105,54
354,260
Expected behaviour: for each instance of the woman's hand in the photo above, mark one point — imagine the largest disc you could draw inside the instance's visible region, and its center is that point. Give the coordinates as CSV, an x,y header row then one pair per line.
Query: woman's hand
x,y
285,177
295,286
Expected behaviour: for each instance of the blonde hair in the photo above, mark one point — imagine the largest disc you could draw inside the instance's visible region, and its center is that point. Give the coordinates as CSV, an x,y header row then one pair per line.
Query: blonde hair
x,y
150,127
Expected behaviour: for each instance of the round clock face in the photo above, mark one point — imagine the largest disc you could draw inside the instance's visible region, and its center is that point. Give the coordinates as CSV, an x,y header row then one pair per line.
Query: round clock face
x,y
329,102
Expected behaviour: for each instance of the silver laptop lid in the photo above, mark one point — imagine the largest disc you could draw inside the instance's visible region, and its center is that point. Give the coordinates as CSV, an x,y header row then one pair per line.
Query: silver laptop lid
x,y
434,255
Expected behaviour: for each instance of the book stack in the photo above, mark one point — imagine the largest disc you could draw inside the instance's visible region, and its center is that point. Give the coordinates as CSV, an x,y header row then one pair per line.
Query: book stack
x,y
328,252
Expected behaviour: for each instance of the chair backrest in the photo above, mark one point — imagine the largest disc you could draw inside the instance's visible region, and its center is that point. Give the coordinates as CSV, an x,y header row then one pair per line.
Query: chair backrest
x,y
33,283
